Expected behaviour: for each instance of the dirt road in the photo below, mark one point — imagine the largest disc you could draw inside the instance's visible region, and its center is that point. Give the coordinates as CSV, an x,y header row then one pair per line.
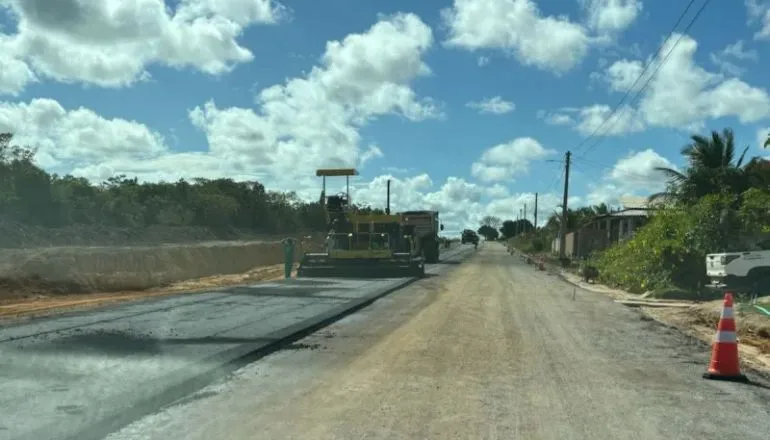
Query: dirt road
x,y
493,349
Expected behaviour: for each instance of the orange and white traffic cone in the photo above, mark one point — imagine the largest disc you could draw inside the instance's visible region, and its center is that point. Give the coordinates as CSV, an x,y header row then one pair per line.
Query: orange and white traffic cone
x,y
725,363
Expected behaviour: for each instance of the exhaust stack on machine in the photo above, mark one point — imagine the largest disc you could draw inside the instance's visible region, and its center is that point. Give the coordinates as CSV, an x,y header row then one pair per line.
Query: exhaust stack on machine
x,y
387,206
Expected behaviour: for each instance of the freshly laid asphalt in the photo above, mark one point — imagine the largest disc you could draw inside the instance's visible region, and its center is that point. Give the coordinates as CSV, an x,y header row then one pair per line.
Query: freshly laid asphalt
x,y
83,375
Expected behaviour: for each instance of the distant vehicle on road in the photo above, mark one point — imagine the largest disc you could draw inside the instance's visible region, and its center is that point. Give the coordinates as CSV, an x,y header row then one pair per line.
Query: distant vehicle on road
x,y
470,236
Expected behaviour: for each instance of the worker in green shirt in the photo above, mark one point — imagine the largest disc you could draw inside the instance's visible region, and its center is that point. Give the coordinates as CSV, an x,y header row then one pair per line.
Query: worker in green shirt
x,y
288,255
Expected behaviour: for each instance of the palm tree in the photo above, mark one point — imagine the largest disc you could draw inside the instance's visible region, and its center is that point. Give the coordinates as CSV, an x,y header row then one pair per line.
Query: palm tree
x,y
601,209
712,168
767,141
758,171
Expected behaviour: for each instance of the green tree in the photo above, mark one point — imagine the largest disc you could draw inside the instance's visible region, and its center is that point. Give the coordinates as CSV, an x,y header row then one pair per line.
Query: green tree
x,y
512,228
488,232
32,197
754,212
713,167
491,221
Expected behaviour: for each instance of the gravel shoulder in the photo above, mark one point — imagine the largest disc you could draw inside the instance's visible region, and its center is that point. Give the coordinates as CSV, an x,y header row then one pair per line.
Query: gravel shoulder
x,y
493,349
699,320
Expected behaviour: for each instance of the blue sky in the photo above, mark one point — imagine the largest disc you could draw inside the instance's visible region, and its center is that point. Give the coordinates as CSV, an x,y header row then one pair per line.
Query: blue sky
x,y
268,90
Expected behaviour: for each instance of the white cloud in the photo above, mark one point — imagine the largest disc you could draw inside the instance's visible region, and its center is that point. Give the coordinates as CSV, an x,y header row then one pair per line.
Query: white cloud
x,y
482,61
622,75
459,202
682,95
759,12
83,143
559,119
497,191
727,58
562,117
506,161
632,175
518,27
313,121
77,136
111,43
495,105
304,124
624,120
612,15
737,51
373,152
15,74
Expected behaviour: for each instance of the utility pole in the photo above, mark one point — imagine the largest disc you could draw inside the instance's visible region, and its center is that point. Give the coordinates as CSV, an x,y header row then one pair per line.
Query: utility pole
x,y
535,211
563,223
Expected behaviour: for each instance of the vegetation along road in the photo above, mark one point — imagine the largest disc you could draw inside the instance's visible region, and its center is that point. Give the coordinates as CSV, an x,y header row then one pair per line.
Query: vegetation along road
x,y
492,349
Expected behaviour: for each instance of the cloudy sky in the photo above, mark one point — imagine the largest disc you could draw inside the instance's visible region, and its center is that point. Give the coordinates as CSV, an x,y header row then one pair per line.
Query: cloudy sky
x,y
467,105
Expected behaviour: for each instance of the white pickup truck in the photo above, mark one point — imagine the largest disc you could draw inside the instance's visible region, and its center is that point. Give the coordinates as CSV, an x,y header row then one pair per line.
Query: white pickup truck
x,y
749,269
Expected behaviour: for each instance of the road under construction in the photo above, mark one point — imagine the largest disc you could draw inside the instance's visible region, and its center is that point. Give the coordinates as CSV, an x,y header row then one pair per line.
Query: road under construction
x,y
483,346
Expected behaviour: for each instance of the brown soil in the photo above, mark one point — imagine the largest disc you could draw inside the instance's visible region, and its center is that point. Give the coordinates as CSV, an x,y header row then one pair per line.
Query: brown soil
x,y
699,320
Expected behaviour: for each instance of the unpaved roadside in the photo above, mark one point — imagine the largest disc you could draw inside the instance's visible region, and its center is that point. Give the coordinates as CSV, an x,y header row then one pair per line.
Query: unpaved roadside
x,y
492,350
698,319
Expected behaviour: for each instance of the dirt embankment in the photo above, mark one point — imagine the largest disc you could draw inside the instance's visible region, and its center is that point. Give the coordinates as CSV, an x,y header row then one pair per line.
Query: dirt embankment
x,y
41,279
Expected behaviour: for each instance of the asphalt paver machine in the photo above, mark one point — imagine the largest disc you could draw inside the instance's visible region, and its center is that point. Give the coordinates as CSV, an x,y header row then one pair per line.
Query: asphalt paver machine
x,y
360,244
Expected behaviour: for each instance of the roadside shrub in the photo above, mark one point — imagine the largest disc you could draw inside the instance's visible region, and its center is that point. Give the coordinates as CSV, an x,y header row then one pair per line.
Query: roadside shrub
x,y
532,242
670,250
755,211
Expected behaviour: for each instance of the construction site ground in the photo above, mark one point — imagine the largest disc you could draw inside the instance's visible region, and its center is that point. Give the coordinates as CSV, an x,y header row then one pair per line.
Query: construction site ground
x,y
698,319
492,349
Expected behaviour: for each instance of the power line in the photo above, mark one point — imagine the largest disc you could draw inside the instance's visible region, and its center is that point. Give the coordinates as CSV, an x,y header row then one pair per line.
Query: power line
x,y
659,66
630,89
591,163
